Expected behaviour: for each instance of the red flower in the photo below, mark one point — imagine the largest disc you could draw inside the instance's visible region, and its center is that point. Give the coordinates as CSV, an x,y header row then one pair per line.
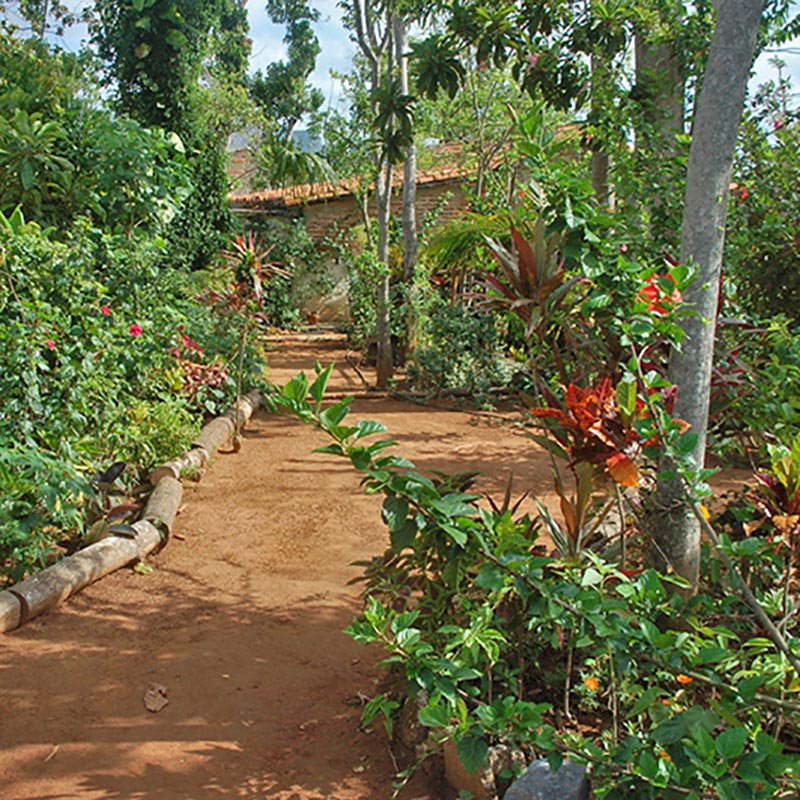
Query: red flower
x,y
658,301
743,193
135,329
51,344
105,311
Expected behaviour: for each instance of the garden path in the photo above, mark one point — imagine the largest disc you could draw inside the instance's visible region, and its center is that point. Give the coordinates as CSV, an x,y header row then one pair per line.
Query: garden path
x,y
241,621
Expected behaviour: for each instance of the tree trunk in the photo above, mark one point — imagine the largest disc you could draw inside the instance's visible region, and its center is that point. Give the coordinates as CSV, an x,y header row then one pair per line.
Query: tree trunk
x,y
600,77
658,75
383,317
409,215
718,112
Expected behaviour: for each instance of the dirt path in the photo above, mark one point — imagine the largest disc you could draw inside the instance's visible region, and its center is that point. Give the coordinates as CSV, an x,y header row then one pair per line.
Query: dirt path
x,y
241,621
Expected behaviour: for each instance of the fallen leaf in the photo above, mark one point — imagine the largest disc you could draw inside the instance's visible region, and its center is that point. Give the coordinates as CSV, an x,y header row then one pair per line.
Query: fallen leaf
x,y
155,698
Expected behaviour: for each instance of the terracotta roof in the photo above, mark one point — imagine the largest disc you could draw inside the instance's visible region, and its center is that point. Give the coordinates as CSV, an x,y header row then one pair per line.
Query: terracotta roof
x,y
309,193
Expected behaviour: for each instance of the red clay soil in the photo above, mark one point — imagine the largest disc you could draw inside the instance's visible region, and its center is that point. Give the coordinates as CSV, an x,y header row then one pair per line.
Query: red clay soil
x,y
241,621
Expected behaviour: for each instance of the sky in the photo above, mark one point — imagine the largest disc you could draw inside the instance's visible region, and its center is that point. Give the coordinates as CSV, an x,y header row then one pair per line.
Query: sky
x,y
337,50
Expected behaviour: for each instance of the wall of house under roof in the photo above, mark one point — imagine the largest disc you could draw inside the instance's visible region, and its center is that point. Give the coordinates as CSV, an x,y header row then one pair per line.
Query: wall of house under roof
x,y
325,219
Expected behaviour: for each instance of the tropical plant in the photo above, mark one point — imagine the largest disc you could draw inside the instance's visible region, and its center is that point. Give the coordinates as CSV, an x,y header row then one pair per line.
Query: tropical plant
x,y
33,169
502,644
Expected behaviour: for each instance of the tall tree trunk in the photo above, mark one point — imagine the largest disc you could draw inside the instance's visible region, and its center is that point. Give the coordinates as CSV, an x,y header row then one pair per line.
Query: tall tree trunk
x,y
658,75
409,214
384,366
716,123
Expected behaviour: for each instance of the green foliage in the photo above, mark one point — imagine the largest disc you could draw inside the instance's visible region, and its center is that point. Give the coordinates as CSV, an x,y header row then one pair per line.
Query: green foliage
x,y
662,696
82,321
153,50
762,246
460,351
126,176
282,91
304,273
32,173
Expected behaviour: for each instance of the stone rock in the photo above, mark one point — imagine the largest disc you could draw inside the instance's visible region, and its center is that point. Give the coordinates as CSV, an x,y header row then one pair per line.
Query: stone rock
x,y
410,731
539,782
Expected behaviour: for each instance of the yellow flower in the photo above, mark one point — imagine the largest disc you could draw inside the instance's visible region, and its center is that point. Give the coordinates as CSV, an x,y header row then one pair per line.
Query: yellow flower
x,y
681,678
591,683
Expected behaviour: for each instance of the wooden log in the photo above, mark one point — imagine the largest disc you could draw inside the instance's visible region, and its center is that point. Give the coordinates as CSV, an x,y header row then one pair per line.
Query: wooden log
x,y
243,408
214,434
163,503
194,460
222,428
10,612
54,584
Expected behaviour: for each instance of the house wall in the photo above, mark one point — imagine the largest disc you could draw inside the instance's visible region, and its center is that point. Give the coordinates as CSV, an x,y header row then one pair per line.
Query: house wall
x,y
324,219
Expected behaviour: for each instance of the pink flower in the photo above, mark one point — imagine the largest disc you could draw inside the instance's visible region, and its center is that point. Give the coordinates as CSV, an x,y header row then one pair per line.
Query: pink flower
x,y
135,329
105,311
533,59
51,344
778,124
623,248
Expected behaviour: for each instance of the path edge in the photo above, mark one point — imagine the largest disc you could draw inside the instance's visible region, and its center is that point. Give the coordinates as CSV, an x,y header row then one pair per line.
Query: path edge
x,y
46,589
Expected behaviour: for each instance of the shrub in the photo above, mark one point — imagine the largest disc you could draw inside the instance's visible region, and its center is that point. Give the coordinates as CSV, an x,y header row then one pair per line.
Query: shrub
x,y
90,337
463,351
565,657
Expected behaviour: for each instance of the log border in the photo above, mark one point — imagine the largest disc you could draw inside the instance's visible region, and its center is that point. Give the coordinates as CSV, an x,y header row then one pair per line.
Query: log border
x,y
46,589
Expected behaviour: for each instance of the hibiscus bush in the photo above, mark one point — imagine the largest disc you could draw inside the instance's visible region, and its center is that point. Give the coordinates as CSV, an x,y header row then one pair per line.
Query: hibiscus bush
x,y
95,341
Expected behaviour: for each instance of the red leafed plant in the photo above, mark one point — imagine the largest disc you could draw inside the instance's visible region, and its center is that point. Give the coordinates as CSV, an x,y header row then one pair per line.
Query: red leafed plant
x,y
595,429
777,497
595,433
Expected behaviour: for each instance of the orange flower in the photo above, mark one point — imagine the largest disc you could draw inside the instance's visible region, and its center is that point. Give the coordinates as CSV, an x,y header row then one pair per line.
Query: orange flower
x,y
591,683
681,678
666,702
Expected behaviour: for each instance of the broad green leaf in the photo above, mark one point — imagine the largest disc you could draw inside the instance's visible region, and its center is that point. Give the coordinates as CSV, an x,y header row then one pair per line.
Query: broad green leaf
x,y
360,457
395,512
403,536
317,389
472,752
366,427
434,716
332,416
731,743
297,388
335,449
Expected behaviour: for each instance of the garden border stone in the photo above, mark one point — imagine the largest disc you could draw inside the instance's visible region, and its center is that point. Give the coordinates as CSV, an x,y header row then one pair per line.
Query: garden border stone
x,y
48,588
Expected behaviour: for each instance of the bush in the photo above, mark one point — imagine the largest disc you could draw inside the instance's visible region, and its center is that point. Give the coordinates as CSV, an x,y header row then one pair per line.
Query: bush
x,y
572,657
463,352
91,372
